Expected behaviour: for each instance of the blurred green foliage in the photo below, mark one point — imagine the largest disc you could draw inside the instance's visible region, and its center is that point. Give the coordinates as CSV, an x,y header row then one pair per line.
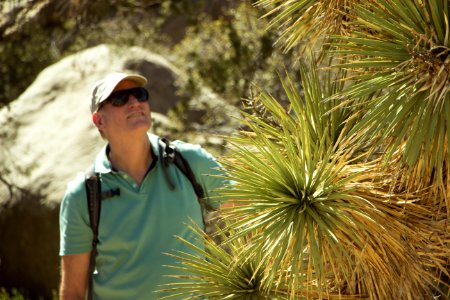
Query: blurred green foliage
x,y
15,294
225,54
23,54
219,44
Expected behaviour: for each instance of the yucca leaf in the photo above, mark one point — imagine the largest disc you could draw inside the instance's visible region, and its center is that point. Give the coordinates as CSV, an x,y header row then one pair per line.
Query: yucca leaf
x,y
413,35
306,22
314,217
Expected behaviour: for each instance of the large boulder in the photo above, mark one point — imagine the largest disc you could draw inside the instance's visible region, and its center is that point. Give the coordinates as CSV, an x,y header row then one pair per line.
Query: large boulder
x,y
47,137
53,131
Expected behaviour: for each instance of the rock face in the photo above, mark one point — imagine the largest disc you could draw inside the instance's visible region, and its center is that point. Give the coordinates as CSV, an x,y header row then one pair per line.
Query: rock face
x,y
50,139
55,136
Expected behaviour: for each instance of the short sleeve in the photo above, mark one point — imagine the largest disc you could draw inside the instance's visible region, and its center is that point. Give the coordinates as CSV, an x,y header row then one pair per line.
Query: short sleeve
x,y
75,232
208,171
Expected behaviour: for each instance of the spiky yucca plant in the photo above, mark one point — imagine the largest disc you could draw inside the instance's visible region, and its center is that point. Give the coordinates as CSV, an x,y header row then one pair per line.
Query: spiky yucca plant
x,y
307,22
344,195
311,220
218,272
399,50
328,225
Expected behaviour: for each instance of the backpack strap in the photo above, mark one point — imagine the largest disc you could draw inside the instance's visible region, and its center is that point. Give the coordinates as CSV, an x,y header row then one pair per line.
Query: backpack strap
x,y
93,191
94,203
169,154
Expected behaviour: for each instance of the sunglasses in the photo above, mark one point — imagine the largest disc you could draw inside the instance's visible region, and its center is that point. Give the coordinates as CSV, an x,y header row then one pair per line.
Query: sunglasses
x,y
120,98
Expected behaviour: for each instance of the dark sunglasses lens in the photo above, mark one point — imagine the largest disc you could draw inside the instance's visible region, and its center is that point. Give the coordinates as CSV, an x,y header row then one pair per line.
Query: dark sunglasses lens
x,y
120,98
140,94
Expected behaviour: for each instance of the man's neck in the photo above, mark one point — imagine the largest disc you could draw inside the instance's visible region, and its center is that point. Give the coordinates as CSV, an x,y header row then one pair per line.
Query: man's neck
x,y
132,156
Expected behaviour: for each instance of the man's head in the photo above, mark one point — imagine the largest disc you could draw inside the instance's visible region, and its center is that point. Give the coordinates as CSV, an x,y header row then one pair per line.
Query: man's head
x,y
120,106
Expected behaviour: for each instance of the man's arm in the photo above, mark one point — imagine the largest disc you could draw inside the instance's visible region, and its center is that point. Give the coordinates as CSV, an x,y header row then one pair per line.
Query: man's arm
x,y
74,276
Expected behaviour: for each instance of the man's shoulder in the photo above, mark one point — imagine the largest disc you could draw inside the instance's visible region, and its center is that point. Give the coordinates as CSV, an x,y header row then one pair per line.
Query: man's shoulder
x,y
76,186
183,147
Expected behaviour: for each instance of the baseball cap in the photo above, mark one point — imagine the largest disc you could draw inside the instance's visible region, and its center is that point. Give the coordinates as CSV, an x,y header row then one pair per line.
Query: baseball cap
x,y
104,87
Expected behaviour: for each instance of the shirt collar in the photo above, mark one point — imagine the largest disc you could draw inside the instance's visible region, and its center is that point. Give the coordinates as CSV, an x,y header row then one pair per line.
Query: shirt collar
x,y
103,165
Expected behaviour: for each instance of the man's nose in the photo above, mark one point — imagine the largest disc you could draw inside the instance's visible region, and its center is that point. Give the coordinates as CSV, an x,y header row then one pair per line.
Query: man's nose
x,y
132,100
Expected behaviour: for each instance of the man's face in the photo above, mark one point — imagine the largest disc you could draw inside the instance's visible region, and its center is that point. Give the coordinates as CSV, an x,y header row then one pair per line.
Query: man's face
x,y
132,118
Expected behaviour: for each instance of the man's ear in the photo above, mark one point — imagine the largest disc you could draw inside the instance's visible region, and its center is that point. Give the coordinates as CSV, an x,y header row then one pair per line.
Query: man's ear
x,y
97,119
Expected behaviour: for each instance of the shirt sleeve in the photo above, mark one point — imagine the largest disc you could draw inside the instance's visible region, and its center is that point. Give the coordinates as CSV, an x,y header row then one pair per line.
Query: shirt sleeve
x,y
208,171
75,231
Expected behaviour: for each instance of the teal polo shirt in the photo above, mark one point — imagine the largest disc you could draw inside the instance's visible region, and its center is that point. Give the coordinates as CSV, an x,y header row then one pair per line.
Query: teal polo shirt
x,y
138,227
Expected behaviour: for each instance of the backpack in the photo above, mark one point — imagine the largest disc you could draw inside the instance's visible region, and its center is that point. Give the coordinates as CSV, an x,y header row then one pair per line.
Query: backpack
x,y
167,154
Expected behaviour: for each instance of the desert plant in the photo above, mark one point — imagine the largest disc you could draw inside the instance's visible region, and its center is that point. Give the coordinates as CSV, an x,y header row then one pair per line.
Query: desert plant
x,y
319,219
401,49
345,192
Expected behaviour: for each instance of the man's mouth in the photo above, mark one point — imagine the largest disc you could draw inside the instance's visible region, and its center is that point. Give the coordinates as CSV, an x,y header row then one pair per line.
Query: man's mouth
x,y
135,114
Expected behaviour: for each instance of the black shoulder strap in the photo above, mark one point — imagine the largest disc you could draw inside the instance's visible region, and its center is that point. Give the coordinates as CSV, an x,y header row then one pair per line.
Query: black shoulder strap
x,y
94,201
169,154
93,192
184,167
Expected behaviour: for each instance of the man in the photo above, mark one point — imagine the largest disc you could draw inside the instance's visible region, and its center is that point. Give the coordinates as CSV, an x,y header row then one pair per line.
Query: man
x,y
138,226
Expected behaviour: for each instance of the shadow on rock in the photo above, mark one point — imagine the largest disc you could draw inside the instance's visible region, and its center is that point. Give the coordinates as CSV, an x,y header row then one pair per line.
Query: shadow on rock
x,y
29,243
